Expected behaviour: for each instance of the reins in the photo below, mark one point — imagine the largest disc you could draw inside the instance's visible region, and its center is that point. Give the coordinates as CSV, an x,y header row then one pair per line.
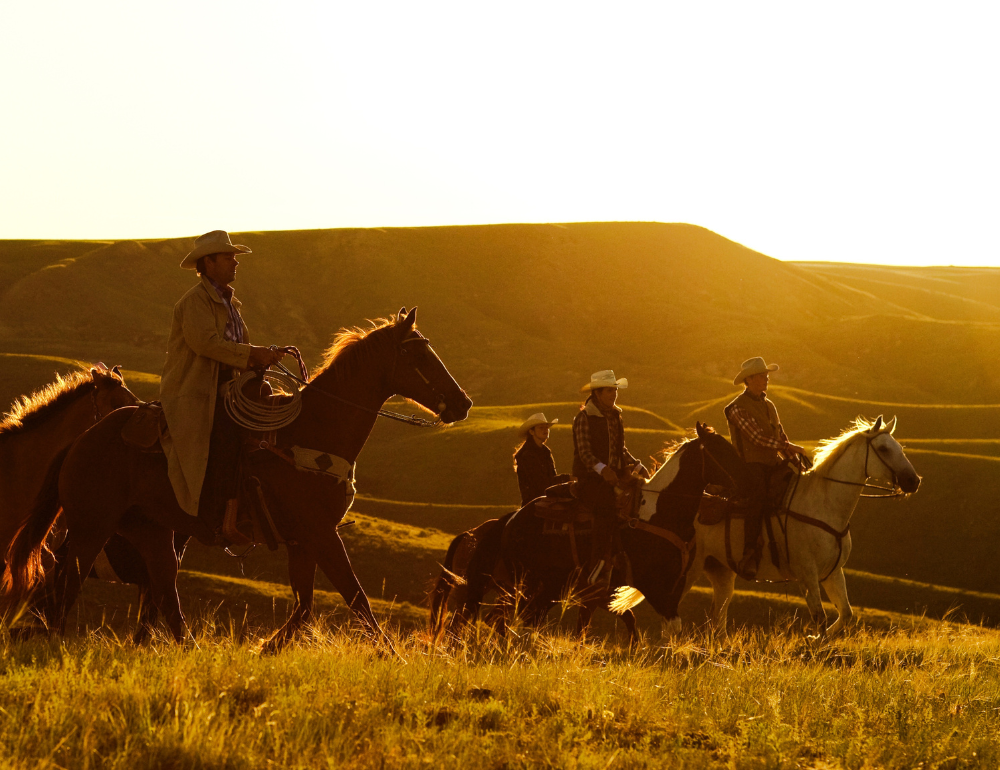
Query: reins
x,y
891,491
271,417
408,419
894,491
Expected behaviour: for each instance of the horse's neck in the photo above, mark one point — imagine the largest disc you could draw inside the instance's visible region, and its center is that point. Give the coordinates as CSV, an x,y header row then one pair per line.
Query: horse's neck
x,y
337,426
59,428
822,495
665,475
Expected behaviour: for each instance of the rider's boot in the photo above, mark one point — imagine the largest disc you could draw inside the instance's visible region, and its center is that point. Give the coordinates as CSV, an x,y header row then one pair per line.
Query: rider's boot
x,y
747,568
230,531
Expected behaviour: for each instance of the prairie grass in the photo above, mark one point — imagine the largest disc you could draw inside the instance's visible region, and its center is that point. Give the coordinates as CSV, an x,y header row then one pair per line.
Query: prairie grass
x,y
903,697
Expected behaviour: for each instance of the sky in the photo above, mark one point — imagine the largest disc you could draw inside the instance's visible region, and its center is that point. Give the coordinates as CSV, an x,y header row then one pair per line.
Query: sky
x,y
864,132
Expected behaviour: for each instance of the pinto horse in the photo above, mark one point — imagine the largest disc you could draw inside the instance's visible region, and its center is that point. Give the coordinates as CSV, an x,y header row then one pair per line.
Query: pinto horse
x,y
105,485
812,533
656,543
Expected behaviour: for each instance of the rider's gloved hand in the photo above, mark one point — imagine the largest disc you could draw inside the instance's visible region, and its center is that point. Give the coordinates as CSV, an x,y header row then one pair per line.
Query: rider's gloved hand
x,y
261,358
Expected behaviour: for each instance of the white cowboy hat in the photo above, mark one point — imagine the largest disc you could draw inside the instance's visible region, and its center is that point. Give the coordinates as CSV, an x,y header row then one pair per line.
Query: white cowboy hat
x,y
754,366
534,421
604,379
215,242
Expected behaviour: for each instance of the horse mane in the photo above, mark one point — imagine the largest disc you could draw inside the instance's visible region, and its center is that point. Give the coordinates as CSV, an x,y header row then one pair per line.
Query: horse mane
x,y
27,411
670,448
346,353
830,449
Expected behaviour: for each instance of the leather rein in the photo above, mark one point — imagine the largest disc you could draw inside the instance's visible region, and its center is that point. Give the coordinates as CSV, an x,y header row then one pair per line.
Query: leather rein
x,y
408,419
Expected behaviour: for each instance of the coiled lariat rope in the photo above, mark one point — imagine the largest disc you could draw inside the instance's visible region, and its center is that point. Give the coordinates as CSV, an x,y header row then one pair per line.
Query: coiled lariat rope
x,y
266,417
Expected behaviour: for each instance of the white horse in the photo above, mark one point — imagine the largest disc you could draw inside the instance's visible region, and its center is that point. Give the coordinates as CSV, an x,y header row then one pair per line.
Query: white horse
x,y
811,531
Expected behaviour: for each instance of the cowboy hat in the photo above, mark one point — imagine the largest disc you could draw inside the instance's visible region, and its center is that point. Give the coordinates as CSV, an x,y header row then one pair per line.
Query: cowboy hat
x,y
215,242
604,379
754,366
534,421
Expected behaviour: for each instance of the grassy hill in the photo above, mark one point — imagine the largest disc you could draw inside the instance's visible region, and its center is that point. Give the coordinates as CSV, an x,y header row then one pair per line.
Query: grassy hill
x,y
522,314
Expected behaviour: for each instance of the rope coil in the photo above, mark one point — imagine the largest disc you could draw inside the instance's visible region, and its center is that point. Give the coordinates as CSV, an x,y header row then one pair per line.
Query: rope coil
x,y
254,416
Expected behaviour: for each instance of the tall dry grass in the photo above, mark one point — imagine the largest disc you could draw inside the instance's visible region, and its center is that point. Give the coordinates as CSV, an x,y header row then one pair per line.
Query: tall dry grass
x,y
897,698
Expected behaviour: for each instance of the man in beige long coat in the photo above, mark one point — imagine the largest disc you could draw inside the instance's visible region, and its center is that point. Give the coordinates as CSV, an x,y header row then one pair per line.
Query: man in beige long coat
x,y
208,345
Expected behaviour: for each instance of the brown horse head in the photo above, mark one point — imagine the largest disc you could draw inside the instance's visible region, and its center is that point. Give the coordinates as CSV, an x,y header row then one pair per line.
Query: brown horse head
x,y
110,391
420,375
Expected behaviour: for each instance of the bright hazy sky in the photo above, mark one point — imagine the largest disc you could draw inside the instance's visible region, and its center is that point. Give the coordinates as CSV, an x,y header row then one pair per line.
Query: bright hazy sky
x,y
860,131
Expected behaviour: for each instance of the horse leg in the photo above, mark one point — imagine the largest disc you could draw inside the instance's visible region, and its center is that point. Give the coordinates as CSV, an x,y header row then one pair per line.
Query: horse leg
x,y
302,578
148,614
628,617
84,546
584,618
336,565
836,589
814,601
155,544
723,582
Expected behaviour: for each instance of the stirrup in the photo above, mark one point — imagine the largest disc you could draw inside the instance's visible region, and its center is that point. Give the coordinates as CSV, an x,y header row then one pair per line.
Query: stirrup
x,y
748,561
595,574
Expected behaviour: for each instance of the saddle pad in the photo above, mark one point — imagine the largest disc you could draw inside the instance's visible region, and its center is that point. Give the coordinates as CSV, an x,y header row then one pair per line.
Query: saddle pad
x,y
144,428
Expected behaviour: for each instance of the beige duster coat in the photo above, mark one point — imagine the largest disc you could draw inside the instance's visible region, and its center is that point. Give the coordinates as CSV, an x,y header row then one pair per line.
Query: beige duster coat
x,y
196,347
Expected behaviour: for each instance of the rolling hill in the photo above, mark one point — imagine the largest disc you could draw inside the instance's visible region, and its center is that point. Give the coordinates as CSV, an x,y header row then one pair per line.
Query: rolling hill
x,y
522,314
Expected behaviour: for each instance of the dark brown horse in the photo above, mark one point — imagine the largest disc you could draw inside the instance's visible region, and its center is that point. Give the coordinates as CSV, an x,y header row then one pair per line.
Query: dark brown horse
x,y
104,485
38,429
541,567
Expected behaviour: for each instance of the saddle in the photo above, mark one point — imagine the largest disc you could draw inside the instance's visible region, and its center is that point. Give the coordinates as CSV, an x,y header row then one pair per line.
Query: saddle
x,y
145,427
560,505
718,503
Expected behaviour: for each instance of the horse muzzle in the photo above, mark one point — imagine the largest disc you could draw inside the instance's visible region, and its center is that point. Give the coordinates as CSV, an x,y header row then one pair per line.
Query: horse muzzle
x,y
455,408
908,482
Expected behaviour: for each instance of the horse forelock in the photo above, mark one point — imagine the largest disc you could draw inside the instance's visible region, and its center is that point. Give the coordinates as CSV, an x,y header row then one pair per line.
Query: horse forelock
x,y
830,449
27,411
346,350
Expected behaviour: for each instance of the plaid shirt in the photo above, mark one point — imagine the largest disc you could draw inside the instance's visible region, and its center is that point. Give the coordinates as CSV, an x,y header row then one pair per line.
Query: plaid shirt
x,y
234,324
581,441
753,433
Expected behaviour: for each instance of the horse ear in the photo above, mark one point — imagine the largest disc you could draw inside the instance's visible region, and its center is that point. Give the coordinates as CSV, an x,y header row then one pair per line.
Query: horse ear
x,y
890,426
97,374
411,317
699,428
878,425
401,314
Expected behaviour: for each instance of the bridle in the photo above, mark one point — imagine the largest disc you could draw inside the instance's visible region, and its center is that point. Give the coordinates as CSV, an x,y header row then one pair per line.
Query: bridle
x,y
401,350
884,491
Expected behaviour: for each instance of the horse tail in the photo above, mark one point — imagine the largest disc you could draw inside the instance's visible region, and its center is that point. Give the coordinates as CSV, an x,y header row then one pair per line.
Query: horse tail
x,y
25,570
625,598
446,582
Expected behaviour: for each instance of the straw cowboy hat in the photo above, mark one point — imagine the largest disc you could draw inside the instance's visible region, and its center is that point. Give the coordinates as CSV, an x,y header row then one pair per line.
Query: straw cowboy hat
x,y
534,421
215,242
604,379
754,366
